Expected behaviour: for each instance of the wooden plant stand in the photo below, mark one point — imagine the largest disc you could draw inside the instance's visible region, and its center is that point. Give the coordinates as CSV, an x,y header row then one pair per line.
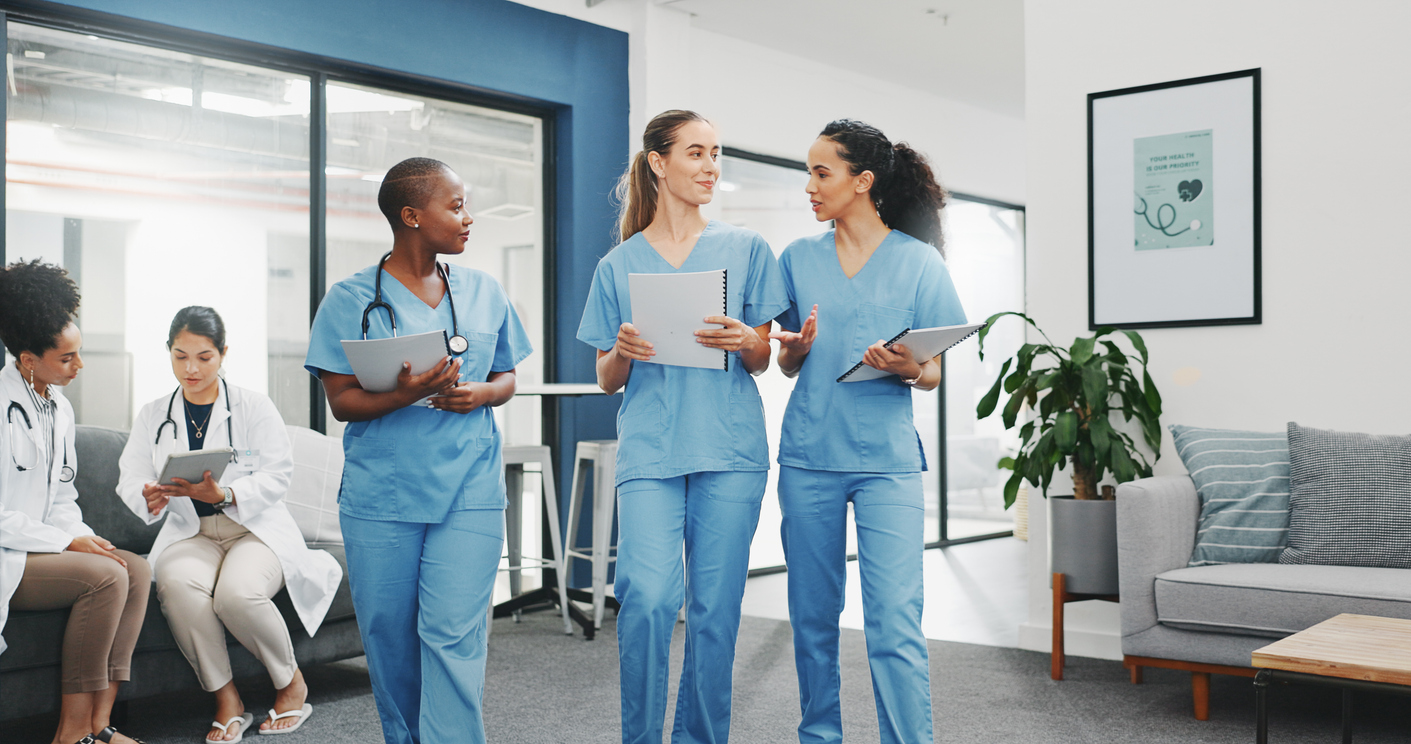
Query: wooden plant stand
x,y
1061,596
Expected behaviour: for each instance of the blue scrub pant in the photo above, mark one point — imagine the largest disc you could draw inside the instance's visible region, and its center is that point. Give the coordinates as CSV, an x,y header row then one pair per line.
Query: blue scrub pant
x,y
421,592
714,516
888,511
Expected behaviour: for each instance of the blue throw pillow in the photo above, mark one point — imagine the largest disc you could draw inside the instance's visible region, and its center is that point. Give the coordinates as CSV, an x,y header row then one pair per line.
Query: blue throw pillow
x,y
1243,481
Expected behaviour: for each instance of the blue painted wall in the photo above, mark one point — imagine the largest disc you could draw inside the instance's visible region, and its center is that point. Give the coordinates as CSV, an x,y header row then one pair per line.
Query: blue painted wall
x,y
578,68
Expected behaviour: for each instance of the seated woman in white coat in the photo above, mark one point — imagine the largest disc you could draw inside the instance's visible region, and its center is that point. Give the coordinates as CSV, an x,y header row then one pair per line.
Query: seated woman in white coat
x,y
50,559
227,547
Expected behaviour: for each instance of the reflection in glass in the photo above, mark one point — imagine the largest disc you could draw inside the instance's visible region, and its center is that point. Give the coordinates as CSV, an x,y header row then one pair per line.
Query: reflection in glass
x,y
160,180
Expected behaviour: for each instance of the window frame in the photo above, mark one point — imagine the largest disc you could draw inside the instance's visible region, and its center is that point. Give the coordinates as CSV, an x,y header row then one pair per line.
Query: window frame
x,y
321,71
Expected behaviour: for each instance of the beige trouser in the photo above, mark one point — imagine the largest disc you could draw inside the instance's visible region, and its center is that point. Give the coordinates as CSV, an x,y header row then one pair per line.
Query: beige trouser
x,y
224,577
109,603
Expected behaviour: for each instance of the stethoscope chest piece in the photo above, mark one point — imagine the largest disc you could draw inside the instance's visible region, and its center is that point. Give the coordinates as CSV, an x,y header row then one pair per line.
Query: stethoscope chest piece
x,y
458,344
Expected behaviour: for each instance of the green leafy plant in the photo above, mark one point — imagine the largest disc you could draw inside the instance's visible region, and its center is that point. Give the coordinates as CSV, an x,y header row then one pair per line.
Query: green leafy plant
x,y
1074,392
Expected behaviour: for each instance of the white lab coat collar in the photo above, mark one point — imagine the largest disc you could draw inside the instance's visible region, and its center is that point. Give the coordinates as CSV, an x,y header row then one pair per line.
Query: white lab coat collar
x,y
216,430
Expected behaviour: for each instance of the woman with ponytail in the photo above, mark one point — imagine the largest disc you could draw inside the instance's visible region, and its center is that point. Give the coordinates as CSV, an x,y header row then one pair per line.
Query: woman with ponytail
x,y
692,460
878,272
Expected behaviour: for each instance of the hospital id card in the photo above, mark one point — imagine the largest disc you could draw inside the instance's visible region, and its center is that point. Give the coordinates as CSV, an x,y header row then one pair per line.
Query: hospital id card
x,y
246,462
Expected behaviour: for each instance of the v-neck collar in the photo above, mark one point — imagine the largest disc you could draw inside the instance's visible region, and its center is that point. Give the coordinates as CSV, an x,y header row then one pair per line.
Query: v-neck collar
x,y
692,254
849,281
413,295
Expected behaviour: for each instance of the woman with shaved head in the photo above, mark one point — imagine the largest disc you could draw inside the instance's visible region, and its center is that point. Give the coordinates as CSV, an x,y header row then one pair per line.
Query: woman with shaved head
x,y
422,495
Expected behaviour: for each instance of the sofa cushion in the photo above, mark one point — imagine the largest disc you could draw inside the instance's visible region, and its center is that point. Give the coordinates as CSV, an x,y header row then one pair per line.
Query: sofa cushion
x,y
1276,600
1243,481
313,490
1350,499
97,449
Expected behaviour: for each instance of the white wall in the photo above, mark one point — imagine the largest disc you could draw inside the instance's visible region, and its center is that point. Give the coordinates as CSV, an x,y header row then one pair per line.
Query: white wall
x,y
775,103
1331,351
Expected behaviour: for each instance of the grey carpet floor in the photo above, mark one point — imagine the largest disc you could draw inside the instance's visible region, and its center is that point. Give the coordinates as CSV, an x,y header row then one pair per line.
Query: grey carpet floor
x,y
544,687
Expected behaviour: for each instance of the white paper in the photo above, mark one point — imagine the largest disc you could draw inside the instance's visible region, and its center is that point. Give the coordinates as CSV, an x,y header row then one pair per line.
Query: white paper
x,y
923,343
668,309
377,362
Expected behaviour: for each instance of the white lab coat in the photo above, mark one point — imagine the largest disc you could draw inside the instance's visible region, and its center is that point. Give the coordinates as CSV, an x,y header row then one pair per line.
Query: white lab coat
x,y
38,512
311,576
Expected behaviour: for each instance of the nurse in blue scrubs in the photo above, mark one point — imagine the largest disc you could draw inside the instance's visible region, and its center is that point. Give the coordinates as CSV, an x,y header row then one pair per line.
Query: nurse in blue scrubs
x,y
852,288
423,493
692,460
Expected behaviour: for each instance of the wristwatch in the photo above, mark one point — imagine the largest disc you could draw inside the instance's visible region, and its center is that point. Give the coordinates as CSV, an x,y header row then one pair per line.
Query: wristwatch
x,y
228,500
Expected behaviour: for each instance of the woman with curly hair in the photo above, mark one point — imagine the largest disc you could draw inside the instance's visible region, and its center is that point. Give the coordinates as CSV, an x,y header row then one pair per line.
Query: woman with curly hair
x,y
878,272
50,558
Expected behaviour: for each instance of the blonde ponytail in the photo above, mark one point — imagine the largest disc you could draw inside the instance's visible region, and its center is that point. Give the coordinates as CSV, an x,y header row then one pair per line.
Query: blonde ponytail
x,y
636,191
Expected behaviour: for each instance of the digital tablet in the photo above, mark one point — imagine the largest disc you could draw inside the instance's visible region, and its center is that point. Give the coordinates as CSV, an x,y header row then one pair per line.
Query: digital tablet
x,y
192,466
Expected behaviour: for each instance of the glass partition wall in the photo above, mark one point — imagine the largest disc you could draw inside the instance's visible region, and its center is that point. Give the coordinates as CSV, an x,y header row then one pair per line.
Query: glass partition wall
x,y
985,254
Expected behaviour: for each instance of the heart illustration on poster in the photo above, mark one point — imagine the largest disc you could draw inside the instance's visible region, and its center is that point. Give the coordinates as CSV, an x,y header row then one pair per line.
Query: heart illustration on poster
x,y
1189,190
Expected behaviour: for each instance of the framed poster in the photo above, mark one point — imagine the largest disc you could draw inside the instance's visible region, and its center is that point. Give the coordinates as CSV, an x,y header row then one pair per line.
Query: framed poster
x,y
1174,204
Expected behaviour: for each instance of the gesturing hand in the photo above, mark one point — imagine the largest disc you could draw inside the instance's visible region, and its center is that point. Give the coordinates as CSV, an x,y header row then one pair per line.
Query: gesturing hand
x,y
631,345
97,546
896,360
156,497
734,336
799,343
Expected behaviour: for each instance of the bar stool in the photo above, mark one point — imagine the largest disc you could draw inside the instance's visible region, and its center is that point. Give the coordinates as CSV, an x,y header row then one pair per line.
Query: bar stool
x,y
515,457
601,455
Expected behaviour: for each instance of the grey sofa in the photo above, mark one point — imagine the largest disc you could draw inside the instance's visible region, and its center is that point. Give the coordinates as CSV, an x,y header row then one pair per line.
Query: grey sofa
x,y
29,670
1208,619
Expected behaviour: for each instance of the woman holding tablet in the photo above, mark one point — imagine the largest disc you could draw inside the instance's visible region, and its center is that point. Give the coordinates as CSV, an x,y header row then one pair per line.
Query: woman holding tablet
x,y
50,559
229,545
423,494
692,460
851,288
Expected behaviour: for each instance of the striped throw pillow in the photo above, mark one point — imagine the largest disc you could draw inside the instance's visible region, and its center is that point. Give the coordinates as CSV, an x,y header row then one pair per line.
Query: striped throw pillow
x,y
1243,481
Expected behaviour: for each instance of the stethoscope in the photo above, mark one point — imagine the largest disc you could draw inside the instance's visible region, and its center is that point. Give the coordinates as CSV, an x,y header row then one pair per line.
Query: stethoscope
x,y
229,418
66,473
457,343
1161,224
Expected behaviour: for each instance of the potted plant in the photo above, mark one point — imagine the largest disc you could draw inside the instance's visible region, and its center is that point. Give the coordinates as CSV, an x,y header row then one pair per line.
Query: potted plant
x,y
1074,392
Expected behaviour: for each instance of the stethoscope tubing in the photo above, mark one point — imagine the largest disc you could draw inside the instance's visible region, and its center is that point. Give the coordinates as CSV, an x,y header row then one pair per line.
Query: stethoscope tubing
x,y
66,473
457,343
229,418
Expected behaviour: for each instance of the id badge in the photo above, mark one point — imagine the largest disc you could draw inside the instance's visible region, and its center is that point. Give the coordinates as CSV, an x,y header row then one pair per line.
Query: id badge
x,y
247,462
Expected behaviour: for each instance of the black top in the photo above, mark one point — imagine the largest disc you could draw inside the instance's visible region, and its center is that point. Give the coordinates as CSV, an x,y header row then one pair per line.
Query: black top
x,y
199,415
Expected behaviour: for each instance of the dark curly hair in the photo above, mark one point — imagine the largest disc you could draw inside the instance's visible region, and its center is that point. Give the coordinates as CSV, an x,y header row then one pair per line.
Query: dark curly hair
x,y
408,184
37,302
904,189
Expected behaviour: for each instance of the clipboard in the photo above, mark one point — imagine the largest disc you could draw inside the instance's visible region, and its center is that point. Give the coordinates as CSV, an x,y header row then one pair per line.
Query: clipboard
x,y
377,362
924,344
667,310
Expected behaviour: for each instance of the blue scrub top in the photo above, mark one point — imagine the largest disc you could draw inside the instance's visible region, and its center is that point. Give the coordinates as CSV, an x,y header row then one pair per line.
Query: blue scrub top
x,y
858,426
679,420
416,464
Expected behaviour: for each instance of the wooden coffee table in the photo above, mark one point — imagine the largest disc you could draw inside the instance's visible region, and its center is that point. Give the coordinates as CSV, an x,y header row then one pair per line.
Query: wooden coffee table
x,y
1351,652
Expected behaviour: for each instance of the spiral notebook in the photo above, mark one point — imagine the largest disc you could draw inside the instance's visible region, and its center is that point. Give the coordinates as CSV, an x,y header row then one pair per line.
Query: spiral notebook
x,y
924,343
668,309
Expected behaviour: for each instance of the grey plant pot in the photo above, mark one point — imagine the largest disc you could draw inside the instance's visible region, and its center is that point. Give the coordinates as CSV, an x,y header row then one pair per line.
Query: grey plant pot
x,y
1082,540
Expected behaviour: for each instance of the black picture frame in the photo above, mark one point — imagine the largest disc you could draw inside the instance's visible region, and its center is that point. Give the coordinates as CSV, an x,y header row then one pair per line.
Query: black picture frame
x,y
1144,275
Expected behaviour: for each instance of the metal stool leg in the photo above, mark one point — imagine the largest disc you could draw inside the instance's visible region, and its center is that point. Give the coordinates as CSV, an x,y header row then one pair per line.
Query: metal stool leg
x,y
551,510
604,500
514,528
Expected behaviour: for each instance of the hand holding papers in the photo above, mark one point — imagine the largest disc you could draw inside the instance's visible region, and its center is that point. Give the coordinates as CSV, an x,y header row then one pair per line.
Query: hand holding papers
x,y
667,310
924,343
377,362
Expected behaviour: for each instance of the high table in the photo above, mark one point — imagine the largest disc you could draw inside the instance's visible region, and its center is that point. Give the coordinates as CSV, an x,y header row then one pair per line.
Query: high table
x,y
546,592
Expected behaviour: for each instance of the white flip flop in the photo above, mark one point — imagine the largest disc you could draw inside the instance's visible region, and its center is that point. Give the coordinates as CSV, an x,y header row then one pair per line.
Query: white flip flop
x,y
302,713
245,720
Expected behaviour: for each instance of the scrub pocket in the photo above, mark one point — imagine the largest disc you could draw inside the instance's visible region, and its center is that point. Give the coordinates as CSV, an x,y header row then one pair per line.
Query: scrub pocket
x,y
875,323
479,356
747,430
485,479
369,479
886,433
640,435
